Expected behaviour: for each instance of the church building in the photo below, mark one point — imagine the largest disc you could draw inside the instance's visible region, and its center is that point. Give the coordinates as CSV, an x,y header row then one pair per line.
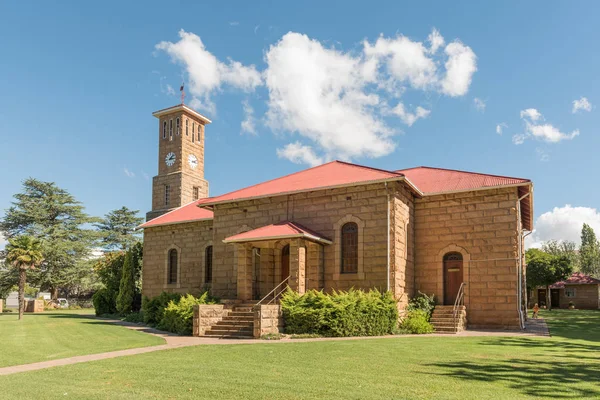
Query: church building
x,y
455,234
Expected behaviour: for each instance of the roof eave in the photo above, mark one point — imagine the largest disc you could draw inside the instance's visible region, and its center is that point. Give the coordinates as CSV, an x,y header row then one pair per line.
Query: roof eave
x,y
279,237
181,107
173,223
527,183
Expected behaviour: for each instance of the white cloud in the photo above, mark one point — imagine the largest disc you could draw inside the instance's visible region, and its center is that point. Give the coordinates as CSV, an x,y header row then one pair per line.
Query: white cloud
x,y
128,173
3,241
581,104
436,40
299,154
460,67
170,91
248,125
563,223
519,138
542,154
410,118
407,61
545,132
337,100
233,23
531,113
500,127
206,73
479,104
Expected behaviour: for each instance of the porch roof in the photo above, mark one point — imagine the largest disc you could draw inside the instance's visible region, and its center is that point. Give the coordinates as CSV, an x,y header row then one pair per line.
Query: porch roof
x,y
280,230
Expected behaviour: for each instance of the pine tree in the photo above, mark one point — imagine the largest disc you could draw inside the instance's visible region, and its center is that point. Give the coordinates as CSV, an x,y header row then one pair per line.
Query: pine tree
x,y
589,252
53,216
118,229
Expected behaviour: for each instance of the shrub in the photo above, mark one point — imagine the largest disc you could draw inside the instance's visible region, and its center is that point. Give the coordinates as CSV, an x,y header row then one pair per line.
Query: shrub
x,y
104,302
423,303
351,313
135,317
127,286
154,309
416,321
177,316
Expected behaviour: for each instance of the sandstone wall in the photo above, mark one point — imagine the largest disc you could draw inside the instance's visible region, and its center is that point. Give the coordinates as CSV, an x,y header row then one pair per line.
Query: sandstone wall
x,y
322,211
482,225
190,239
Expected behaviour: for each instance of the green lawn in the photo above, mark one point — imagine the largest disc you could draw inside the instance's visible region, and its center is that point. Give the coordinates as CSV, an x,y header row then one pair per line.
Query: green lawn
x,y
60,334
565,366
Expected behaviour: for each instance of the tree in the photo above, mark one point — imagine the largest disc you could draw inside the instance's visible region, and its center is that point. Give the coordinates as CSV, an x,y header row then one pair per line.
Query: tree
x,y
563,248
51,214
589,252
23,253
545,269
118,228
127,286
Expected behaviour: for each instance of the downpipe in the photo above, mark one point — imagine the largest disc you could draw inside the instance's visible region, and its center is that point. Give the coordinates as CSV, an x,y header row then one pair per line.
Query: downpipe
x,y
520,267
388,237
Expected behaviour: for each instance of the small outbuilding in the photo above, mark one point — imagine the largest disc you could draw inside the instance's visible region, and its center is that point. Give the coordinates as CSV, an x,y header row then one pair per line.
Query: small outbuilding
x,y
583,291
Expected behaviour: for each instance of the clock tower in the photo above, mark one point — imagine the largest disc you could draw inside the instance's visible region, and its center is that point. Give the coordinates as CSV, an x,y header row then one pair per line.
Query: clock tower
x,y
180,178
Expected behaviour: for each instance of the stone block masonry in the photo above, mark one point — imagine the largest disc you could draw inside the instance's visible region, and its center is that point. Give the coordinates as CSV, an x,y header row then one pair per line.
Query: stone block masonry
x,y
205,316
482,226
268,319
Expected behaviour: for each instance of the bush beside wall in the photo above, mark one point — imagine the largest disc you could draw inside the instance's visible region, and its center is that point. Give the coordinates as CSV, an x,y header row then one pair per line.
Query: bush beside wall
x,y
173,312
351,313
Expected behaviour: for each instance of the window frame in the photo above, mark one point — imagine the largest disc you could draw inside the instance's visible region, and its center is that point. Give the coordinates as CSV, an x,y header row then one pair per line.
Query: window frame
x,y
177,126
208,264
349,248
360,274
167,195
171,129
164,130
195,192
187,127
172,267
571,290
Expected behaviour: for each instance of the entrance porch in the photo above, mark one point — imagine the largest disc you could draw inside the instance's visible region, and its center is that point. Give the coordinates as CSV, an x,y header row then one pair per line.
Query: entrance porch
x,y
277,256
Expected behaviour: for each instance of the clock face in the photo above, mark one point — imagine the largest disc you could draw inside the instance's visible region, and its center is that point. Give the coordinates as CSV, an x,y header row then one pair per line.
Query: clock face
x,y
170,159
193,161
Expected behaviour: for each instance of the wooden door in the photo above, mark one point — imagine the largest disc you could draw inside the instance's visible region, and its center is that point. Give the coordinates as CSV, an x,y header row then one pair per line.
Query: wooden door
x,y
285,262
453,277
555,298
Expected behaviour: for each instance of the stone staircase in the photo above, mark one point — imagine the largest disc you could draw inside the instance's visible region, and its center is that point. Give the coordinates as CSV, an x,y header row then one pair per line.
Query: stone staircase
x,y
237,324
443,321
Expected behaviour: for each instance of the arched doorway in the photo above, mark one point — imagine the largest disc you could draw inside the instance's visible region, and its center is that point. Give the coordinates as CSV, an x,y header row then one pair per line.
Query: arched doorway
x,y
453,276
285,262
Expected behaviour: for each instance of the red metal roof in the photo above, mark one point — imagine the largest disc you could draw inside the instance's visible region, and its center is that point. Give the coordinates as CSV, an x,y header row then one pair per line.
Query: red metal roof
x,y
576,279
426,180
332,174
280,230
438,180
187,213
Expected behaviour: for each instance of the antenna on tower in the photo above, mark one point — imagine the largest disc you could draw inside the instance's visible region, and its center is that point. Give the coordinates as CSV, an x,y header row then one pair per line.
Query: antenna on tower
x,y
182,93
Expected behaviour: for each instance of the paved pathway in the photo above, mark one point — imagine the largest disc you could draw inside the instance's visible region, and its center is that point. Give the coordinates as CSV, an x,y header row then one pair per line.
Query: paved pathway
x,y
534,328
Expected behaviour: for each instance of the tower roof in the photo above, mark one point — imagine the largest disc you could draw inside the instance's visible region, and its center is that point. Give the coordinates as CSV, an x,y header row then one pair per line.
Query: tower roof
x,y
181,107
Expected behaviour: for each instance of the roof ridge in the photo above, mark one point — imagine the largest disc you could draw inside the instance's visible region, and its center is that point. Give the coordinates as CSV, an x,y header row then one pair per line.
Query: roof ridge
x,y
463,171
367,167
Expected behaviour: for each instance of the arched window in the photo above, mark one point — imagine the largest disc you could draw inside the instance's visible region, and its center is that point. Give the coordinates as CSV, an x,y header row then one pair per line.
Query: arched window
x,y
178,126
186,127
349,254
170,129
208,258
199,131
172,277
193,132
164,129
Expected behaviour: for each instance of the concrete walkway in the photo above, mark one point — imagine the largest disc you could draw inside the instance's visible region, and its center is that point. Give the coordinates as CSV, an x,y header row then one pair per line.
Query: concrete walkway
x,y
534,328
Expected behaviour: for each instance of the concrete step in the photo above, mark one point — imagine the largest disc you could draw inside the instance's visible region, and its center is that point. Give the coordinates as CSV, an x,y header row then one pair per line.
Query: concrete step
x,y
450,307
238,319
247,314
230,336
221,331
448,312
234,324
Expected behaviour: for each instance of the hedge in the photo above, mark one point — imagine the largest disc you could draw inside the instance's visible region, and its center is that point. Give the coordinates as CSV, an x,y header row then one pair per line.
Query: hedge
x,y
351,313
173,312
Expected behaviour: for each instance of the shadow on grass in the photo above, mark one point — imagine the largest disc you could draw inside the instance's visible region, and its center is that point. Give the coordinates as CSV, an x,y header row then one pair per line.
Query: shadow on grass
x,y
533,378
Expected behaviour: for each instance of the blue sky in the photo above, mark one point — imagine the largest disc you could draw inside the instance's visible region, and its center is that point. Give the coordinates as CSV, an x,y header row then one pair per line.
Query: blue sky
x,y
80,81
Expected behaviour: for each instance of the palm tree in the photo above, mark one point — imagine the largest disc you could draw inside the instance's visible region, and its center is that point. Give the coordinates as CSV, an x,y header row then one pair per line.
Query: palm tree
x,y
23,252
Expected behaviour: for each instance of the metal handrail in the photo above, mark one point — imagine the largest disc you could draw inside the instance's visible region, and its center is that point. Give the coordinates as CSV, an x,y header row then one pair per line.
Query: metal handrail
x,y
459,299
274,291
